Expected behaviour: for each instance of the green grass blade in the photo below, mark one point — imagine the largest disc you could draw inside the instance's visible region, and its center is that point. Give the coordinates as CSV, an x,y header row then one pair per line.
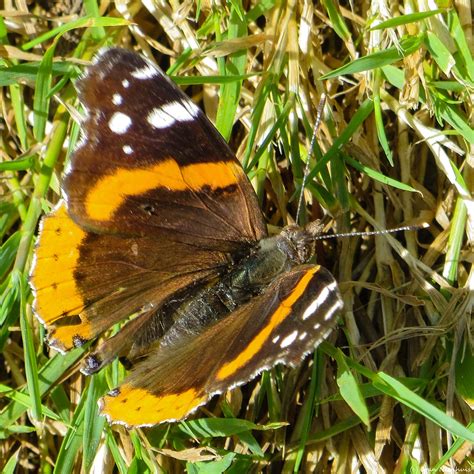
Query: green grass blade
x,y
25,400
392,387
80,23
8,252
93,422
357,120
10,466
48,375
337,20
350,391
405,19
453,251
42,97
465,52
439,52
217,427
379,176
212,467
375,60
21,164
235,65
31,368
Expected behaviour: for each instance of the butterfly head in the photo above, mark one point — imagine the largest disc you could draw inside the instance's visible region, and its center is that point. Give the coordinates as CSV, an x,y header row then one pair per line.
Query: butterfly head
x,y
299,242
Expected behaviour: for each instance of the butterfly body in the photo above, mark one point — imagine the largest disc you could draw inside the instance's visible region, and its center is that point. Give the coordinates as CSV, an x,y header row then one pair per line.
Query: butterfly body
x,y
161,231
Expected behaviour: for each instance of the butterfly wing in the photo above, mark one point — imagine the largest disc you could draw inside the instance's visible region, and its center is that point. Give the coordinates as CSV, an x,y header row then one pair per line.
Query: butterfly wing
x,y
85,282
151,162
156,201
281,325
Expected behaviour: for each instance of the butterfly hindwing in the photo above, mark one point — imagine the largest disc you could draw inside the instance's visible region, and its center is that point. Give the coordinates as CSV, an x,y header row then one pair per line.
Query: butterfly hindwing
x,y
280,326
85,282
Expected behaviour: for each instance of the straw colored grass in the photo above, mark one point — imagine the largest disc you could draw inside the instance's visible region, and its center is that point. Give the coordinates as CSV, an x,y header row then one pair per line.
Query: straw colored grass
x,y
392,388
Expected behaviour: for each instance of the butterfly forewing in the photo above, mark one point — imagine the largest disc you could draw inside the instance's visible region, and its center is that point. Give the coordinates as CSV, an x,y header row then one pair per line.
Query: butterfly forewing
x,y
151,163
151,167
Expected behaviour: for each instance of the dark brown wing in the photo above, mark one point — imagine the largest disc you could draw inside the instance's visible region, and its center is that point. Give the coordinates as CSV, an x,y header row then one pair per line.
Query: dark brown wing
x,y
151,163
86,282
156,202
287,321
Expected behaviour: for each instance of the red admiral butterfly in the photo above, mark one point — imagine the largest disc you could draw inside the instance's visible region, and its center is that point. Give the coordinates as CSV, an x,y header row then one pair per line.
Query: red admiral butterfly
x,y
161,228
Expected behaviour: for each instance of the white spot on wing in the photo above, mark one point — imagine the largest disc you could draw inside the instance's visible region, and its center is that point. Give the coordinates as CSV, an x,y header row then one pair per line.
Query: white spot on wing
x,y
288,340
127,149
302,336
192,108
125,83
276,339
159,118
146,72
168,114
315,304
119,123
335,307
117,99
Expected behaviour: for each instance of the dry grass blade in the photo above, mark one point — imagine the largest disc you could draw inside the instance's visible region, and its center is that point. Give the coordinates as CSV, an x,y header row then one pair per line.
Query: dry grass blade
x,y
392,389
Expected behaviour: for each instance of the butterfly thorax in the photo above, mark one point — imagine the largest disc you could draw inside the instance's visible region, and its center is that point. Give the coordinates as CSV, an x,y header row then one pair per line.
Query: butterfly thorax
x,y
271,257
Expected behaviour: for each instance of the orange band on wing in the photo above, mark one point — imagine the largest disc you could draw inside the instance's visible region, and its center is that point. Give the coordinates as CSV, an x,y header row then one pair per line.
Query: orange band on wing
x,y
135,406
110,192
230,368
57,257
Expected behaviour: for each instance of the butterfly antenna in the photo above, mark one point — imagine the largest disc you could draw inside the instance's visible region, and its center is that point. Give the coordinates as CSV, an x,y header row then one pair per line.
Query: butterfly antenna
x,y
317,122
372,232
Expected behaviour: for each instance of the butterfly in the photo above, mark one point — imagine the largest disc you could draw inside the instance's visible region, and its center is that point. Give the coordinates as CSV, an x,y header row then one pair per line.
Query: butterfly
x,y
160,230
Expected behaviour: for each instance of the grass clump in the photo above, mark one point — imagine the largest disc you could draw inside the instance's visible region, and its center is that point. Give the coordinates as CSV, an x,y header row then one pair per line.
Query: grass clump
x,y
392,388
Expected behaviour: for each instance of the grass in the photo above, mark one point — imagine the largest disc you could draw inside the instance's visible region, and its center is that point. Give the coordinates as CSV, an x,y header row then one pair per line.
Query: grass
x,y
392,388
